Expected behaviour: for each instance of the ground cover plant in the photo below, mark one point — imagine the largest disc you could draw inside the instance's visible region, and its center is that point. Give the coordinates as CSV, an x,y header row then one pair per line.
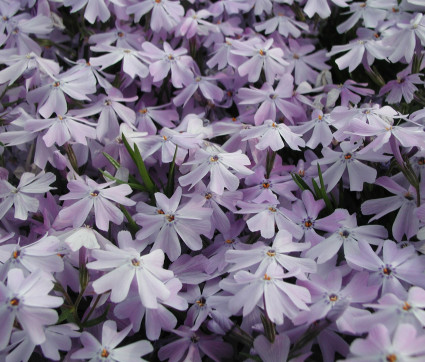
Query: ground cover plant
x,y
230,180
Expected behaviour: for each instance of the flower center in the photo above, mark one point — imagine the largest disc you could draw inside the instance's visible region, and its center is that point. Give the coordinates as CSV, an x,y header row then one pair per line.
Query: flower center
x,y
135,262
229,241
272,209
408,196
214,158
391,358
169,217
104,353
421,161
160,211
308,223
333,297
266,185
120,34
208,195
14,302
406,306
271,253
201,301
15,254
347,156
56,84
266,277
194,338
387,270
143,111
94,193
344,233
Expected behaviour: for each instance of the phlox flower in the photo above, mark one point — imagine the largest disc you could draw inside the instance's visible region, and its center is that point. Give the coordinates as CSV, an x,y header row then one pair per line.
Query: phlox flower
x,y
380,345
27,66
321,7
22,196
205,85
147,115
194,23
268,290
269,351
284,22
329,293
223,56
157,319
40,255
406,222
93,8
133,61
392,310
89,195
62,128
366,46
349,159
50,97
162,61
110,108
349,92
127,265
267,217
165,14
303,62
271,100
403,86
395,271
270,134
282,252
217,164
261,56
107,351
193,346
168,220
322,134
370,11
27,300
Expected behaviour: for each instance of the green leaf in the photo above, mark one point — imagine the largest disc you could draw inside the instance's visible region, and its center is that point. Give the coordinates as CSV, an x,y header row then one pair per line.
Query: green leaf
x,y
113,162
271,155
300,182
317,191
323,189
137,158
133,185
66,315
170,182
97,320
132,224
269,329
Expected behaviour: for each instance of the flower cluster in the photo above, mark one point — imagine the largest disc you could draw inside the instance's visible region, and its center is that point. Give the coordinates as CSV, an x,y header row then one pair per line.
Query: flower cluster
x,y
212,180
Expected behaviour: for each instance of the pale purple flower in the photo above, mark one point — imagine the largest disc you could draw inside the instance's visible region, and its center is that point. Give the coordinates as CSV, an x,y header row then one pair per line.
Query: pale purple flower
x,y
194,23
284,22
349,92
22,196
128,264
167,221
320,123
62,128
51,96
261,56
101,197
148,114
133,61
282,252
193,346
406,221
380,345
270,134
107,350
392,310
110,108
162,61
321,7
271,100
223,56
268,290
165,14
205,85
349,159
272,352
41,255
403,86
395,272
328,293
347,235
217,164
27,300
267,217
93,8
